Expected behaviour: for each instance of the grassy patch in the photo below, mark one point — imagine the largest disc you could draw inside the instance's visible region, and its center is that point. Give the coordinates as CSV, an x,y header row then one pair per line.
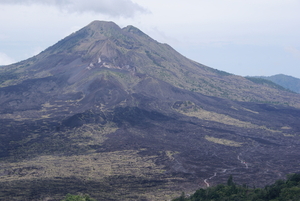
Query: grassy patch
x,y
91,166
190,109
223,141
127,174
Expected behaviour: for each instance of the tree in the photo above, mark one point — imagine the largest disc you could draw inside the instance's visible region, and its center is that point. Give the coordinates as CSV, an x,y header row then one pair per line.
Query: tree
x,y
230,181
281,190
70,197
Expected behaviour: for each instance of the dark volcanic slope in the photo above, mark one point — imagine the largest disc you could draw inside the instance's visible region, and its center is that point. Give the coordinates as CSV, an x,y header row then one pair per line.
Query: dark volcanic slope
x,y
111,109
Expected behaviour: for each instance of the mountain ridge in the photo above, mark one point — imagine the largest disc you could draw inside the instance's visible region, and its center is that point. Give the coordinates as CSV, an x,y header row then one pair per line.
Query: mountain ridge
x,y
286,81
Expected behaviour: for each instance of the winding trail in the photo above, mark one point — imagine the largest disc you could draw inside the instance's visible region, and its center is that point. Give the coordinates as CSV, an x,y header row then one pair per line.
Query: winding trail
x,y
242,161
205,180
225,170
213,176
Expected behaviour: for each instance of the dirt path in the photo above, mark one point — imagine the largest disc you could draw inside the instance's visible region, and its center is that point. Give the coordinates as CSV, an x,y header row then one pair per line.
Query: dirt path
x,y
206,182
242,161
225,170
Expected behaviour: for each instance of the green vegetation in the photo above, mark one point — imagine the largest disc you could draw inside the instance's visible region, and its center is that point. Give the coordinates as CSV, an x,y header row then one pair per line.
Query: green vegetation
x,y
262,81
70,197
279,191
7,76
219,72
152,57
285,81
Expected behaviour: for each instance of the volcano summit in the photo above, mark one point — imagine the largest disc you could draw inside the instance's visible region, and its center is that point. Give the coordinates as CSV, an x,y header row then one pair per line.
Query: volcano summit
x,y
110,112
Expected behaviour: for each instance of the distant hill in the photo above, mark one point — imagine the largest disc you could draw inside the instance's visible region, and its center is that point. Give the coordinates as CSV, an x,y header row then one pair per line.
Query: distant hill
x,y
285,81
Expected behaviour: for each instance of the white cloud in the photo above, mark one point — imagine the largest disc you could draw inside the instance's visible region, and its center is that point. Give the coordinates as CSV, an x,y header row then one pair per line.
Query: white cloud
x,y
115,8
5,60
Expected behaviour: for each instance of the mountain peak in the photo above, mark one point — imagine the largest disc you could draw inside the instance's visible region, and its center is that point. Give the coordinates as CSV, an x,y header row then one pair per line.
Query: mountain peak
x,y
134,30
103,26
82,40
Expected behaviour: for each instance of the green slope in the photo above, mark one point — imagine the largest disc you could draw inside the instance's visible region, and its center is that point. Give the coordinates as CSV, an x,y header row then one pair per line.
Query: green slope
x,y
286,81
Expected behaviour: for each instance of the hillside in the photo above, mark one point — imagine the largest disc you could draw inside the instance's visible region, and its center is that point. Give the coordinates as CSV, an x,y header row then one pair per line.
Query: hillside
x,y
286,81
110,112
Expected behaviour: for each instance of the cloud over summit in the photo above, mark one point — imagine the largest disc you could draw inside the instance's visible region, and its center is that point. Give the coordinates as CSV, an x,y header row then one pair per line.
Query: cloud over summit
x,y
116,8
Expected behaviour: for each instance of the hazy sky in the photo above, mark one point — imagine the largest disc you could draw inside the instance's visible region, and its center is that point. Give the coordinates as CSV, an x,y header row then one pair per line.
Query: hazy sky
x,y
243,37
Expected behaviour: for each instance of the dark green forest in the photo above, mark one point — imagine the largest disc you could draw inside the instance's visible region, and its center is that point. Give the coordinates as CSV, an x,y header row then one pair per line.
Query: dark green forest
x,y
281,190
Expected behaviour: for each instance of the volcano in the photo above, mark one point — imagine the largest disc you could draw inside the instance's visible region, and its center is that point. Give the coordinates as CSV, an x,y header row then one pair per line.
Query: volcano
x,y
110,112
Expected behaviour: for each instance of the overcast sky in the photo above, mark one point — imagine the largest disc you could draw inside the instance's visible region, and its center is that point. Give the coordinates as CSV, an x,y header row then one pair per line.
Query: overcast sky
x,y
243,37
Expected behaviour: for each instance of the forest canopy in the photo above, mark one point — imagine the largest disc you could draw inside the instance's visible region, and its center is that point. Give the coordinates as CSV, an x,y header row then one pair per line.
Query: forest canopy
x,y
281,190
